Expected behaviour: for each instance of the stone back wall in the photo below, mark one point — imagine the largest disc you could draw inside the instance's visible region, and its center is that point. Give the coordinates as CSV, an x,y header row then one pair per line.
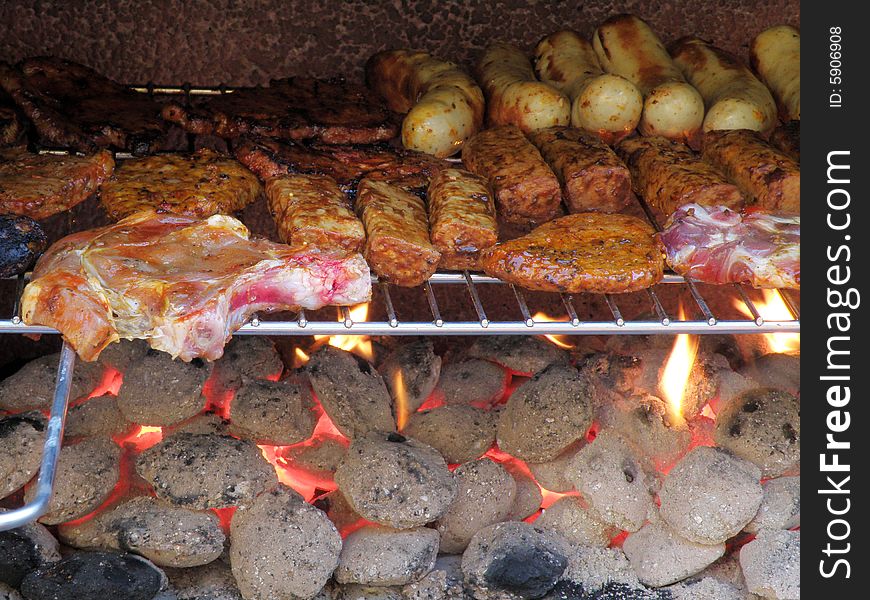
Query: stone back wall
x,y
250,41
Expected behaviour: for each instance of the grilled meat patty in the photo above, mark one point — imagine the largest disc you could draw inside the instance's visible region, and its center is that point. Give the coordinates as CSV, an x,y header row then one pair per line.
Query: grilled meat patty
x,y
200,185
40,185
346,164
21,241
73,106
11,122
332,111
583,252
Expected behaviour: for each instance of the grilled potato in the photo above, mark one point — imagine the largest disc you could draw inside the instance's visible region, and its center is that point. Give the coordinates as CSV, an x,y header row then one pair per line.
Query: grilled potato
x,y
775,55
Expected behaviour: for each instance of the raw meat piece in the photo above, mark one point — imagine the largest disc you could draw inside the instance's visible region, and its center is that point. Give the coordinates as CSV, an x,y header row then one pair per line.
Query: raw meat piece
x,y
181,283
718,245
297,108
73,106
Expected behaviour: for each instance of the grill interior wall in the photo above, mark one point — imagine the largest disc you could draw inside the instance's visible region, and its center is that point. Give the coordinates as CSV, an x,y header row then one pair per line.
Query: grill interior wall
x,y
251,41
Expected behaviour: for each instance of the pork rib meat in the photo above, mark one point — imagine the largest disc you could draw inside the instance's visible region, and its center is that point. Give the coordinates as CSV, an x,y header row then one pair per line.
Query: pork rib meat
x,y
714,244
182,283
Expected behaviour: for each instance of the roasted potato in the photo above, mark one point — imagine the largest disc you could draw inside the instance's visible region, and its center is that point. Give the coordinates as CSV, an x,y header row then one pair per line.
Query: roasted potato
x,y
775,55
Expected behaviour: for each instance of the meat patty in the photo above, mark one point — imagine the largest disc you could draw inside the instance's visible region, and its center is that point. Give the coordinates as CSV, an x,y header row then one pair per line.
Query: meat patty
x,y
583,252
201,185
787,137
11,122
346,164
718,245
73,106
297,108
40,185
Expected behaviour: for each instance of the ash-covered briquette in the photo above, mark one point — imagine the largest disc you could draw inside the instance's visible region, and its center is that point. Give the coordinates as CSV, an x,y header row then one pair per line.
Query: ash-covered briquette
x,y
275,413
727,570
660,556
514,557
646,421
594,572
213,581
551,474
96,416
251,356
610,475
86,474
169,536
485,495
381,556
203,423
355,591
528,498
282,547
320,457
338,509
351,391
459,432
545,415
771,564
395,481
707,588
762,426
24,549
443,582
123,353
778,371
522,354
472,381
780,506
571,518
32,386
710,495
160,391
95,575
202,471
21,440
416,363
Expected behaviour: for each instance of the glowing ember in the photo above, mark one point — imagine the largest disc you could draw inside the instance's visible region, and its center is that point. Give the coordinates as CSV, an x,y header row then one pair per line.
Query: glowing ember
x,y
401,400
358,344
774,308
559,340
514,464
676,373
109,384
307,484
141,438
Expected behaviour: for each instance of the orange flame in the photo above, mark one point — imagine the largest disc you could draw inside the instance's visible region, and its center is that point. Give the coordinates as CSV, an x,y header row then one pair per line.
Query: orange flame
x,y
300,357
774,308
358,344
401,397
676,373
559,340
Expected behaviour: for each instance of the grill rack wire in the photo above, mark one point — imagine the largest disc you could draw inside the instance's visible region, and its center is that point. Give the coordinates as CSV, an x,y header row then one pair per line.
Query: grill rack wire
x,y
344,324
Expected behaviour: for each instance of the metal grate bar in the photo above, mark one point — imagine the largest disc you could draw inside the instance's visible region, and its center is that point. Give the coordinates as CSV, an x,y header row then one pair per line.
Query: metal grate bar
x,y
702,304
301,319
388,301
789,303
475,299
617,316
524,308
344,316
19,290
660,310
433,305
753,310
568,302
51,449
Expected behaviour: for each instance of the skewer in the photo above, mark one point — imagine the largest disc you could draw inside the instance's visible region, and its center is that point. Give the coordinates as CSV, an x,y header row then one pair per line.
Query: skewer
x,y
756,316
615,310
568,301
388,301
433,305
524,308
660,310
481,315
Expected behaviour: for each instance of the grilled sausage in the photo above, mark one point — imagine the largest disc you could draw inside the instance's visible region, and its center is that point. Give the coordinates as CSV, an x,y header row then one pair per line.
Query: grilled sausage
x,y
775,55
311,210
672,108
462,217
525,188
592,176
763,173
514,96
585,252
668,175
734,97
397,233
444,105
787,137
602,103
